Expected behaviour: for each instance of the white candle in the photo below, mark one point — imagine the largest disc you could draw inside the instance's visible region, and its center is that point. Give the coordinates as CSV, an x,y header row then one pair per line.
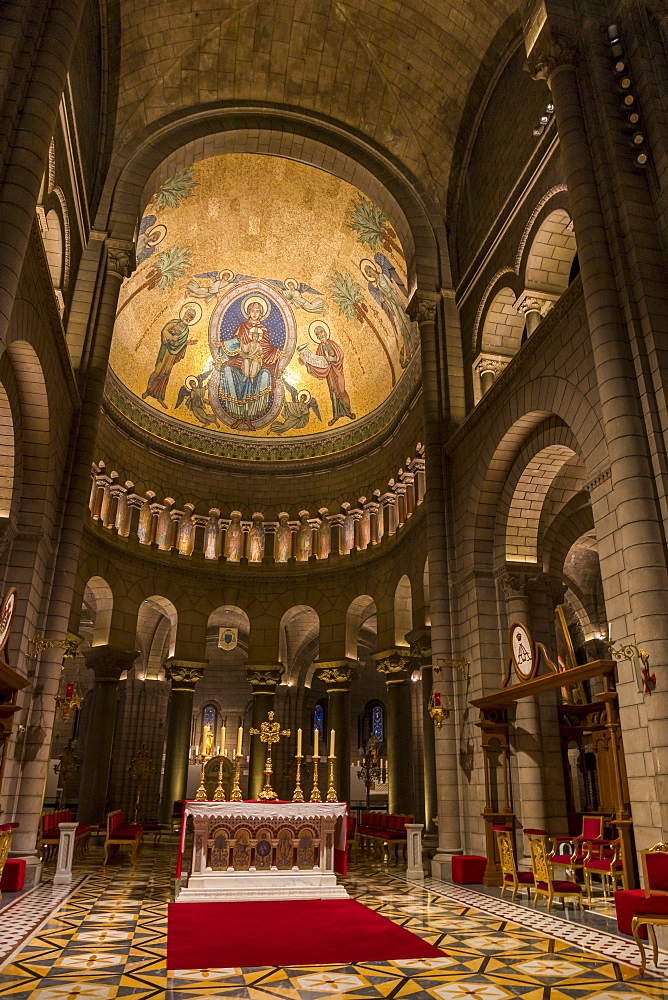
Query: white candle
x,y
222,740
316,736
240,736
299,742
332,735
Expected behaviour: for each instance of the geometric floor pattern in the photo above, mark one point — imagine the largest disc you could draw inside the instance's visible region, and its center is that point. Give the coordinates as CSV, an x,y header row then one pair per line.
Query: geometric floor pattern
x,y
108,941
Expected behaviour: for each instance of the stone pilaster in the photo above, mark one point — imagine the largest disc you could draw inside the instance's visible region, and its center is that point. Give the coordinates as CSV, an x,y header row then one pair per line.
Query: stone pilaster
x,y
393,664
420,640
107,664
338,676
184,675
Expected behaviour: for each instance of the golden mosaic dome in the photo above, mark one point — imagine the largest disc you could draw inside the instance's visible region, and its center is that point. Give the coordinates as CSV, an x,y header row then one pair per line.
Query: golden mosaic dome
x,y
266,317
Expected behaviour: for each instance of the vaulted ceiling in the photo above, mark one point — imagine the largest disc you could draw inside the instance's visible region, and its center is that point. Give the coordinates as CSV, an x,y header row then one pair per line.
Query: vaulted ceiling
x,y
397,71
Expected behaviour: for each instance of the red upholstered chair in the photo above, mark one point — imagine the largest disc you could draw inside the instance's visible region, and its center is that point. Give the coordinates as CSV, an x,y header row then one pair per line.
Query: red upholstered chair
x,y
652,911
509,873
544,882
603,858
592,831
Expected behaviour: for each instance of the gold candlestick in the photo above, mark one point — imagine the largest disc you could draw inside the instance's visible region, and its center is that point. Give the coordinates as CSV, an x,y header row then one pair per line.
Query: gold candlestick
x,y
331,791
219,794
236,795
298,795
315,791
201,795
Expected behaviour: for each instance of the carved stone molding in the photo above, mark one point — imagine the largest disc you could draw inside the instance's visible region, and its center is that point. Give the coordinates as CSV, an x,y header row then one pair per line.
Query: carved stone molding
x,y
184,674
420,643
108,663
551,51
393,663
495,363
337,675
8,532
263,680
597,481
422,307
120,259
516,584
535,301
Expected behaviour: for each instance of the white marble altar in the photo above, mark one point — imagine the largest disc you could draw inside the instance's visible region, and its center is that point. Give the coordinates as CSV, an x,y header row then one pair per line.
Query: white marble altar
x,y
263,850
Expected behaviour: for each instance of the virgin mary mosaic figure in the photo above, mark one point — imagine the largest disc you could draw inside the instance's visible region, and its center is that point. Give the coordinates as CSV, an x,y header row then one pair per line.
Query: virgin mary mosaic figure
x,y
252,338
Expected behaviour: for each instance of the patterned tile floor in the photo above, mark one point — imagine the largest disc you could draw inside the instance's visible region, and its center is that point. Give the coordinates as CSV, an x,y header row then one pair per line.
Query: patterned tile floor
x,y
108,941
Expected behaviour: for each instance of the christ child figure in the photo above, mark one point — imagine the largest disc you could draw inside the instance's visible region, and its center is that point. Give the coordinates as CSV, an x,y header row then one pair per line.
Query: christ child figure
x,y
251,353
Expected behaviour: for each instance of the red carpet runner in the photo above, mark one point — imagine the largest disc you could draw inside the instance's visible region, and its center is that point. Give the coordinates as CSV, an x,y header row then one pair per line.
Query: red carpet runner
x,y
292,932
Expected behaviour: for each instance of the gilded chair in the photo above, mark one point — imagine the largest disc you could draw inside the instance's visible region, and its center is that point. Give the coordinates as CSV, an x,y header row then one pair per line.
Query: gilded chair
x,y
603,858
544,882
592,831
652,911
509,872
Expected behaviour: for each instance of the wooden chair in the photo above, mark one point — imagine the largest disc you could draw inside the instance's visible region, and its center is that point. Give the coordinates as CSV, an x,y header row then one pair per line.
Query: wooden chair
x,y
509,872
603,858
652,911
120,833
544,882
592,831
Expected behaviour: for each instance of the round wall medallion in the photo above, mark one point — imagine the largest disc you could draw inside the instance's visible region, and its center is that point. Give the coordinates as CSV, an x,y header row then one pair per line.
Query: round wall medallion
x,y
522,651
7,610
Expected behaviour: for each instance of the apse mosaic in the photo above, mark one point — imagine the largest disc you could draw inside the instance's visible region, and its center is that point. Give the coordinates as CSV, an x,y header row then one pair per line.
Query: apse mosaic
x,y
268,306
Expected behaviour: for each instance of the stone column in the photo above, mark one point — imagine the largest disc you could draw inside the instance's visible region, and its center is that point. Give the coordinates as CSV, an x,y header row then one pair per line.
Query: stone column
x,y
424,307
338,675
420,640
531,790
393,664
263,680
534,306
633,504
488,368
183,675
107,664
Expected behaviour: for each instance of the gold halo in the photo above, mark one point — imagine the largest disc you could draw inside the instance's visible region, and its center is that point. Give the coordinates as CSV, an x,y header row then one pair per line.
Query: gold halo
x,y
291,283
191,382
197,309
365,264
225,275
303,395
156,235
312,328
261,301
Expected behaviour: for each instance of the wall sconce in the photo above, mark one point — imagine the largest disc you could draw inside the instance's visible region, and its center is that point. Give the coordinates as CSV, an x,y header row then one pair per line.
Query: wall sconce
x,y
38,644
629,651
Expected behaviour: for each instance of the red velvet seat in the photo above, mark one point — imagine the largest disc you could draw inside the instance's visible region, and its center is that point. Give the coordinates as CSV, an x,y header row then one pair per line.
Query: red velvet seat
x,y
561,885
525,878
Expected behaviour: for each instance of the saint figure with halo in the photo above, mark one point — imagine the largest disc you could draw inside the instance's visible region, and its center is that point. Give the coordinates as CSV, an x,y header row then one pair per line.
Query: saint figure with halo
x,y
247,362
173,345
327,363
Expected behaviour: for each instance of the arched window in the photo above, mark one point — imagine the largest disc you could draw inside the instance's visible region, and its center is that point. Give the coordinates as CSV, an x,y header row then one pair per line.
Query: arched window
x,y
210,718
319,719
378,723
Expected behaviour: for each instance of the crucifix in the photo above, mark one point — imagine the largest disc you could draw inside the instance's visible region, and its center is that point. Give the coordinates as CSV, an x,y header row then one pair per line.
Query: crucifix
x,y
269,732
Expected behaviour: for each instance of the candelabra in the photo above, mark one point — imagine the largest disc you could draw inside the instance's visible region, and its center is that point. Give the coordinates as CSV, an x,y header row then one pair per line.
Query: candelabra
x,y
370,771
298,794
315,791
331,791
236,795
219,794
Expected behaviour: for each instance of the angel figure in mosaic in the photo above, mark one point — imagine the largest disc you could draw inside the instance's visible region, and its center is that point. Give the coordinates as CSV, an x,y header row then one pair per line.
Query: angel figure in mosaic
x,y
293,291
296,411
194,394
218,283
385,286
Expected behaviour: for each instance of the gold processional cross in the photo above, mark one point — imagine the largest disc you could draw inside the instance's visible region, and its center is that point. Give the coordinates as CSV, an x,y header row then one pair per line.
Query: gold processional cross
x,y
269,732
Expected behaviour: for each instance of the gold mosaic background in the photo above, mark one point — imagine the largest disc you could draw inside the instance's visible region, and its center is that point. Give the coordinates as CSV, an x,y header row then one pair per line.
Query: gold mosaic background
x,y
242,224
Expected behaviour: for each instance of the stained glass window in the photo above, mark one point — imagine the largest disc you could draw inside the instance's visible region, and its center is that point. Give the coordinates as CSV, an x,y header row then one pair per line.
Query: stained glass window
x,y
319,720
209,717
378,723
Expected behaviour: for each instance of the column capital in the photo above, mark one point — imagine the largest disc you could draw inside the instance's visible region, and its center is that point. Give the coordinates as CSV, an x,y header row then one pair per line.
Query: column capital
x,y
337,674
393,663
263,679
108,663
515,583
549,52
420,643
535,301
422,307
494,363
121,260
184,674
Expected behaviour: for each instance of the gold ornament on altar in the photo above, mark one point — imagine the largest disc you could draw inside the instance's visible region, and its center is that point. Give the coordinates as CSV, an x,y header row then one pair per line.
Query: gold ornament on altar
x,y
207,753
269,732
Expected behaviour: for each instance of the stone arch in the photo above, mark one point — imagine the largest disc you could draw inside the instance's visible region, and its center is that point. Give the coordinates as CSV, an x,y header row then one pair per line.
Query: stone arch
x,y
99,599
550,255
229,616
360,610
526,506
299,639
157,621
54,247
37,457
7,454
403,610
502,325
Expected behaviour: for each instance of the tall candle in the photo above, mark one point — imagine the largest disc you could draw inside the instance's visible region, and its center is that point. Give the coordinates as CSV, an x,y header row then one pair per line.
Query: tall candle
x,y
240,736
316,736
332,734
299,742
222,740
